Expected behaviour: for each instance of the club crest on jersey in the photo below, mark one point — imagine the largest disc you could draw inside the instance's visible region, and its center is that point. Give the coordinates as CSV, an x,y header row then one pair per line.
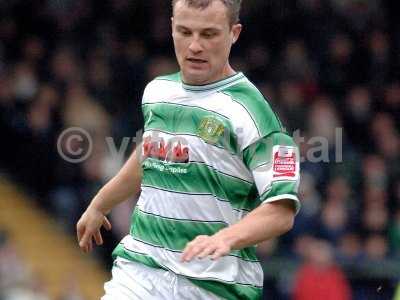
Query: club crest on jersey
x,y
211,129
284,161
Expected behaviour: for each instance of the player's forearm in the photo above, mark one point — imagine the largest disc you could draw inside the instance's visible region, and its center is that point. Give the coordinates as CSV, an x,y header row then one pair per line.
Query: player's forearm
x,y
268,221
121,187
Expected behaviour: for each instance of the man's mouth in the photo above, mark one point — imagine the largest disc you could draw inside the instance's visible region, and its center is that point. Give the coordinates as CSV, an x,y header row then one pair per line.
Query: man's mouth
x,y
196,60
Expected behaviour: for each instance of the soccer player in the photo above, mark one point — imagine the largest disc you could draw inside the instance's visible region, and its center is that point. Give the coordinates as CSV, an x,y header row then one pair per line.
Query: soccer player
x,y
216,174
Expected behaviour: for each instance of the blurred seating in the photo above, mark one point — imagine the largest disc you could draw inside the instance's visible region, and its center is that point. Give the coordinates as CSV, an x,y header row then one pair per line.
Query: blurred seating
x,y
37,258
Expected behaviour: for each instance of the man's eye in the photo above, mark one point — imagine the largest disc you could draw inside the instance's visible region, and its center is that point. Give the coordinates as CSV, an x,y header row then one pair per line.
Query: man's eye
x,y
208,35
185,33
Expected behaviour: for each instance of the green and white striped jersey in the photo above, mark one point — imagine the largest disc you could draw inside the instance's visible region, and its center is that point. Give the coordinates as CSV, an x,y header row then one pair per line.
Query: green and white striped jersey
x,y
212,154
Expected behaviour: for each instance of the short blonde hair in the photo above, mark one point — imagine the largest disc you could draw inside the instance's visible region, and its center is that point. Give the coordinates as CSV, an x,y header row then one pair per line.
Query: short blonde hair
x,y
232,5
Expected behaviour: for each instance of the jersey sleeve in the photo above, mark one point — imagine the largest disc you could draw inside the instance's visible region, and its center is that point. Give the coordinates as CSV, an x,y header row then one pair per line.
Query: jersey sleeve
x,y
267,151
274,162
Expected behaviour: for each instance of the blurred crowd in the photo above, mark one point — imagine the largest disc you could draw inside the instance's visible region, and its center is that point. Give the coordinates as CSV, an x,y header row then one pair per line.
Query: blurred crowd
x,y
331,69
19,282
16,282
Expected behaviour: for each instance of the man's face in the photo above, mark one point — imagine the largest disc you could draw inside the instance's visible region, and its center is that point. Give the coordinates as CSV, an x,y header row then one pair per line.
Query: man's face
x,y
203,40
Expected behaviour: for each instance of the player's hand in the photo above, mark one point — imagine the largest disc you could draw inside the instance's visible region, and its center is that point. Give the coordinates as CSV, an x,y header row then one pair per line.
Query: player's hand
x,y
203,246
88,229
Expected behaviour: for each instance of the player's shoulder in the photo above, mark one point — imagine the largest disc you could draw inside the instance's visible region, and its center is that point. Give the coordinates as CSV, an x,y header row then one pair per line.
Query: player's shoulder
x,y
161,86
173,77
248,96
164,80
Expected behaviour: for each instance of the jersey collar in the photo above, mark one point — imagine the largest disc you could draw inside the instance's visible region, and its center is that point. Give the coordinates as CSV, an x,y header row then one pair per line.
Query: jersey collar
x,y
214,85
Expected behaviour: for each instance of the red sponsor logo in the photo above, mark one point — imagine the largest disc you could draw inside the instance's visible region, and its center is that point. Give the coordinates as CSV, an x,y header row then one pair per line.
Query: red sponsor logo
x,y
165,152
284,162
180,153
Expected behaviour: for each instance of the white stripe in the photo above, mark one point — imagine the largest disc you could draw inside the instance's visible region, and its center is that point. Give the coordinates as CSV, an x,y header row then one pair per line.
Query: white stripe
x,y
184,206
162,90
199,151
226,269
263,177
282,197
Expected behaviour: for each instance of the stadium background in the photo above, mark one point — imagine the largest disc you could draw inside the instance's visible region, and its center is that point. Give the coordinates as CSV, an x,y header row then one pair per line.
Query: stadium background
x,y
322,64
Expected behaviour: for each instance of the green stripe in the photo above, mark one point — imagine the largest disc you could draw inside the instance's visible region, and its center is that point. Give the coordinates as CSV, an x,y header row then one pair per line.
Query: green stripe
x,y
248,254
200,179
280,188
135,256
176,77
169,233
229,291
259,109
179,119
183,220
260,152
145,259
175,234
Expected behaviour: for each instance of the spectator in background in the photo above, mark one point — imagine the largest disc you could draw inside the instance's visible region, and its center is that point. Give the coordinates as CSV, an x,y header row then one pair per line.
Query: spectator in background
x,y
379,59
296,64
319,277
258,62
338,69
376,247
386,139
337,211
391,95
375,172
358,14
375,215
357,114
99,77
64,67
350,250
334,221
310,206
292,105
25,82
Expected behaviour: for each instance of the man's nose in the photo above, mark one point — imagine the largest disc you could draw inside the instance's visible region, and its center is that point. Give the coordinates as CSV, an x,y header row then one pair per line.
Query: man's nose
x,y
195,46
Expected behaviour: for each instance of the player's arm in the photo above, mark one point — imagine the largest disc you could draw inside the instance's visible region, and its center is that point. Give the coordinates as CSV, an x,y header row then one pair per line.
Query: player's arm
x,y
122,186
267,221
274,163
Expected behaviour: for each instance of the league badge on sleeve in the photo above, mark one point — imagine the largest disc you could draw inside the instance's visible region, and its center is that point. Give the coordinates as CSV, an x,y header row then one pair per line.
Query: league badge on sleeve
x,y
284,162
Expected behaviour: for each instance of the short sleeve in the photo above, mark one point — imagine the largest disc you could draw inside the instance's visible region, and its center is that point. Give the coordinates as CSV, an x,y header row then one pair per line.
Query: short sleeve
x,y
274,162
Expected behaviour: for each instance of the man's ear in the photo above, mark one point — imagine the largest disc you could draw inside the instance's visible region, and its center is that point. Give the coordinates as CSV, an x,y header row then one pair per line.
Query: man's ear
x,y
236,30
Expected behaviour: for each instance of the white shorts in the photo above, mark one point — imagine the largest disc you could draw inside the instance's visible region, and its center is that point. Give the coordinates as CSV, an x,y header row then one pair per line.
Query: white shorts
x,y
135,281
